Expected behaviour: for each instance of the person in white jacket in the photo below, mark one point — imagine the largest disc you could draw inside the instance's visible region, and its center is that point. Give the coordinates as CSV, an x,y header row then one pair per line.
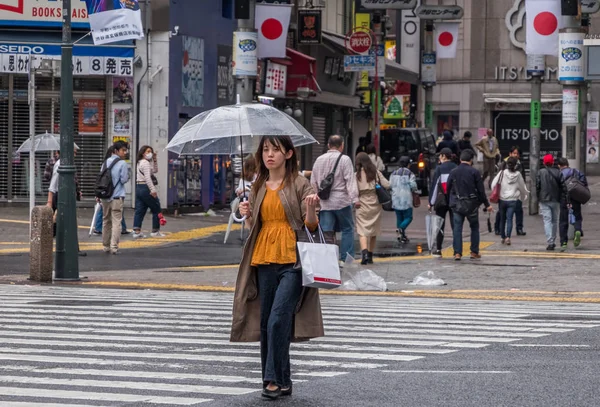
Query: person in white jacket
x,y
512,189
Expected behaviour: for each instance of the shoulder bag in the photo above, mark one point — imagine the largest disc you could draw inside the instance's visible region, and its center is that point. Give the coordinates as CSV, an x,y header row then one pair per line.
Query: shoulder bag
x,y
383,196
327,183
495,196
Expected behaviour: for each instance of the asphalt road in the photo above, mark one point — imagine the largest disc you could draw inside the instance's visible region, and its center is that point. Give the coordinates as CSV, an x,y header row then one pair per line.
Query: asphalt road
x,y
66,346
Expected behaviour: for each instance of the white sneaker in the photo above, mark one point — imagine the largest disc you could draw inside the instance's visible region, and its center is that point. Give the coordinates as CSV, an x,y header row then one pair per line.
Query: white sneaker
x,y
157,234
138,235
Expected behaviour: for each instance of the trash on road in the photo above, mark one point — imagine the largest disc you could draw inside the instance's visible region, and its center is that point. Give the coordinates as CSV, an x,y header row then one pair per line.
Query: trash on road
x,y
427,278
355,279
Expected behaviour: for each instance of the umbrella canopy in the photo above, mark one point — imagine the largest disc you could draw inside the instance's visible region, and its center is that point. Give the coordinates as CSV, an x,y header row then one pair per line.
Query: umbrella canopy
x,y
42,142
433,224
236,129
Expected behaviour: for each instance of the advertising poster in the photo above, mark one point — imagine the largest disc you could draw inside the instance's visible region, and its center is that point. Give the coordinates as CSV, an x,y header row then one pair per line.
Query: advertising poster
x,y
91,116
126,139
245,53
309,26
122,120
397,107
192,72
225,81
592,137
123,90
570,57
570,113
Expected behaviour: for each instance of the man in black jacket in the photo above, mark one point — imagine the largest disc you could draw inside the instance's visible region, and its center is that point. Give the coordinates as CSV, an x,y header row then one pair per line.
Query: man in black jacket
x,y
438,198
551,188
465,143
448,142
467,194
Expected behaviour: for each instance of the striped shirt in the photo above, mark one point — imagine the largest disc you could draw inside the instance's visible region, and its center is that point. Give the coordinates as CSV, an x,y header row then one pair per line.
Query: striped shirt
x,y
344,191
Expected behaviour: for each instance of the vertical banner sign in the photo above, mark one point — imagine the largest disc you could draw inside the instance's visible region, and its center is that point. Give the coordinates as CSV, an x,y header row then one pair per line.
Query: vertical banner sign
x,y
428,115
276,79
428,68
363,20
536,114
570,112
570,57
245,54
592,137
225,82
309,26
113,21
410,40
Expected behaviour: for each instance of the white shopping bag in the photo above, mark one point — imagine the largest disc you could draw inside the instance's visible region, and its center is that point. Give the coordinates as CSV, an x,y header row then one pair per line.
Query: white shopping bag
x,y
320,267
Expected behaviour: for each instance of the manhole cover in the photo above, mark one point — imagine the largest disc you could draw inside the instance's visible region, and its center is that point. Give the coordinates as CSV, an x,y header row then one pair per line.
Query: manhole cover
x,y
82,303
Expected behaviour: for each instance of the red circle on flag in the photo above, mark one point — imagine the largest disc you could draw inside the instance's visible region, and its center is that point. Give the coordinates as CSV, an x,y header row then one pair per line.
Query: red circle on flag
x,y
446,39
271,29
545,23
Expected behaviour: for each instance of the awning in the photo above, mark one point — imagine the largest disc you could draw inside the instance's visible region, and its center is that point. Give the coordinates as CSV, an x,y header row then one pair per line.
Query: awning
x,y
301,71
520,98
331,98
393,70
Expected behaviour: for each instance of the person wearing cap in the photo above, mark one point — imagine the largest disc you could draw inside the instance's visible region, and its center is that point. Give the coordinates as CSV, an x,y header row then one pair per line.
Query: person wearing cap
x,y
403,184
438,199
551,188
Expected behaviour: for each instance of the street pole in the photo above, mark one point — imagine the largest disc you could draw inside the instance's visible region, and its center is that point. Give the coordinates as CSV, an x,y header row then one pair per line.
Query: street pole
x,y
429,86
244,85
378,39
31,136
534,140
67,260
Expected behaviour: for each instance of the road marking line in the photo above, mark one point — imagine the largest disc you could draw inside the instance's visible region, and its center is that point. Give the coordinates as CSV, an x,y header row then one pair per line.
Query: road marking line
x,y
450,371
533,345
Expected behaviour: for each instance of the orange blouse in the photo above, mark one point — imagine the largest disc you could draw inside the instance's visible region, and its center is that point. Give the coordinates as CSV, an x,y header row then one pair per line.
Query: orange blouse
x,y
276,242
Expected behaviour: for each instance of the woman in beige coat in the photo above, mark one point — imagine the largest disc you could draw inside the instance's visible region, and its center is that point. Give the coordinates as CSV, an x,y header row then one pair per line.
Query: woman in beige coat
x,y
368,208
270,303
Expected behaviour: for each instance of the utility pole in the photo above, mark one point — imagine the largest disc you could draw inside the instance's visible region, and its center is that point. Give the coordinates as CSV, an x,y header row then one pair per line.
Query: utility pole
x,y
535,67
429,86
244,85
31,135
67,260
378,34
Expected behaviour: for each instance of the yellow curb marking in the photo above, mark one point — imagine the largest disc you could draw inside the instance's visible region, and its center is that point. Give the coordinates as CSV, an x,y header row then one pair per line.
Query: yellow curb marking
x,y
420,294
449,252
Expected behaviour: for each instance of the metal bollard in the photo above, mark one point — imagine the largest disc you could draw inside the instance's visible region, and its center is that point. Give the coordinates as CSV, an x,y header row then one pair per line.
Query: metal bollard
x,y
41,261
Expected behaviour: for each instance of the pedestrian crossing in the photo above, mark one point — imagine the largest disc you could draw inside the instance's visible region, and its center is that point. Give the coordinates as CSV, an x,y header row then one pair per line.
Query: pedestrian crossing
x,y
80,347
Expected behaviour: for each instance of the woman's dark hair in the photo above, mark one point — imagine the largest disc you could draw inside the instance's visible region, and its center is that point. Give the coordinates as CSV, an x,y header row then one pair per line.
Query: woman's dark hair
x,y
511,164
363,162
142,152
284,143
109,152
370,149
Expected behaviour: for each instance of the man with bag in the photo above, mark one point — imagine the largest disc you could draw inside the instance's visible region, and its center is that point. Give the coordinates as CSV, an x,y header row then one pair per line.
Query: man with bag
x,y
551,189
467,194
438,199
110,188
333,178
577,194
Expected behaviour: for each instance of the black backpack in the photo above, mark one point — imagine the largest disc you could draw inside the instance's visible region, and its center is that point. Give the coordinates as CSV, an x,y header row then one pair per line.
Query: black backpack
x,y
104,183
327,183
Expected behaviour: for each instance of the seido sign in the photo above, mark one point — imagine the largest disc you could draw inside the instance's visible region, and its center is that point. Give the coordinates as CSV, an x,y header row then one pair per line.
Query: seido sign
x,y
20,49
389,4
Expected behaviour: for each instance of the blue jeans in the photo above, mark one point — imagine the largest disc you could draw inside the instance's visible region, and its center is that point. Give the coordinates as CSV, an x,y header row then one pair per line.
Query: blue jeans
x,y
457,240
98,222
551,213
507,211
403,218
343,219
143,202
279,289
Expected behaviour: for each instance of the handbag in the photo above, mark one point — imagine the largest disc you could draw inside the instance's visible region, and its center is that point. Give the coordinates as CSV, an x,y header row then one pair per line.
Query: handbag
x,y
441,200
383,196
466,205
327,183
495,196
416,199
320,267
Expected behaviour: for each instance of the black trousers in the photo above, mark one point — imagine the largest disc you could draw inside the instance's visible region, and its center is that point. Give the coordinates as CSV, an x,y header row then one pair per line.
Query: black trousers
x,y
564,219
442,214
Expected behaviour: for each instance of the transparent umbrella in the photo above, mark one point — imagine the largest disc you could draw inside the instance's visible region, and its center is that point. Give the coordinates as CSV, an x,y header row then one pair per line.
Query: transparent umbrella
x,y
236,129
42,142
433,224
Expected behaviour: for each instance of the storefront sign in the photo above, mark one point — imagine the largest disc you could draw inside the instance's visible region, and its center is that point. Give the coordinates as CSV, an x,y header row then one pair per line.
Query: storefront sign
x,y
225,81
245,54
358,63
570,110
41,13
439,12
512,129
91,116
592,137
428,68
519,73
410,40
397,107
309,26
389,4
570,57
275,81
590,6
192,72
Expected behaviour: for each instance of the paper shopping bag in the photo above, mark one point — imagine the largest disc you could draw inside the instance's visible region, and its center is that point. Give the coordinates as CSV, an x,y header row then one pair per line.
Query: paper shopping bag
x,y
320,267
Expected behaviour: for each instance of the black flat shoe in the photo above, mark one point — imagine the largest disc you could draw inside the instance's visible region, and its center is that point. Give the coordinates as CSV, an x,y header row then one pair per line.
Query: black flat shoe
x,y
287,392
272,394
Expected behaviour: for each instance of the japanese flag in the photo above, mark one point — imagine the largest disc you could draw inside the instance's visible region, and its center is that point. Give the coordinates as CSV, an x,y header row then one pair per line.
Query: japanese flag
x,y
543,22
446,35
272,23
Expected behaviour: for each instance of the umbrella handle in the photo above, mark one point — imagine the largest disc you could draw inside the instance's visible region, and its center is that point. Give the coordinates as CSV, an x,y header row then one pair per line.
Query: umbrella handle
x,y
243,218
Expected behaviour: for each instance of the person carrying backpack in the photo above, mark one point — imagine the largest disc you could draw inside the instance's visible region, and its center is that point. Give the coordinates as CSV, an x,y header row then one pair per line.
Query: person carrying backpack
x,y
403,184
438,199
571,202
110,188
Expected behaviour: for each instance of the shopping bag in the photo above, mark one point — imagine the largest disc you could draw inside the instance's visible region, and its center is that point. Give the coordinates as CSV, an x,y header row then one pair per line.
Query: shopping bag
x,y
320,267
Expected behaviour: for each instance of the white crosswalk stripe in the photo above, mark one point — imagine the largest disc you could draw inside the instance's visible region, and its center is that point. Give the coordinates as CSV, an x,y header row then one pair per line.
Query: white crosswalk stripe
x,y
79,347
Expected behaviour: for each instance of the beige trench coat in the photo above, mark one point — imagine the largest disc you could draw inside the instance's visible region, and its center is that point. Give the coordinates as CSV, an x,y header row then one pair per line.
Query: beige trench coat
x,y
308,322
